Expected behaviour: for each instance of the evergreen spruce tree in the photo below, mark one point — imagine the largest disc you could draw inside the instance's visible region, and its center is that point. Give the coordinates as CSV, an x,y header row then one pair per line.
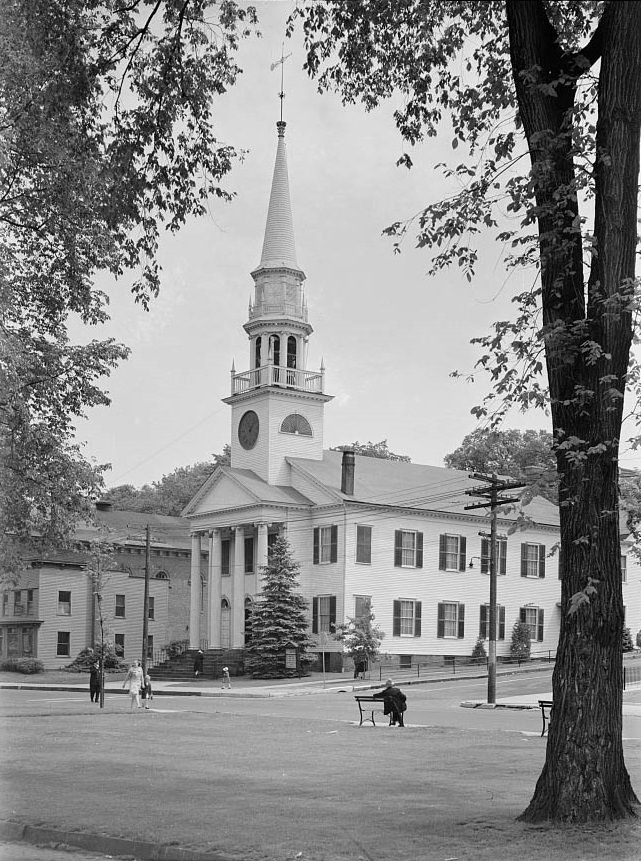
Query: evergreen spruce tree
x,y
520,647
279,618
478,652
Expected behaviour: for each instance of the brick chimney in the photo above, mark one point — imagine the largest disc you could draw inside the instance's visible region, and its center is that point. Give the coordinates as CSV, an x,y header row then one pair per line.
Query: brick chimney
x,y
347,472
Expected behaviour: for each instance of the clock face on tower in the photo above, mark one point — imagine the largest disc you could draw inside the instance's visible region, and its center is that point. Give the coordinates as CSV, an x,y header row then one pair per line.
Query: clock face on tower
x,y
248,429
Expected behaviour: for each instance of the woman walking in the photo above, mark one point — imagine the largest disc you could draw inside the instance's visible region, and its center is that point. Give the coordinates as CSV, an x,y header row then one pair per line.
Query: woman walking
x,y
134,680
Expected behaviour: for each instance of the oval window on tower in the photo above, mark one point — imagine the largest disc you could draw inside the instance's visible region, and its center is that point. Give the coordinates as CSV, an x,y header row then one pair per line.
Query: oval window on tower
x,y
296,423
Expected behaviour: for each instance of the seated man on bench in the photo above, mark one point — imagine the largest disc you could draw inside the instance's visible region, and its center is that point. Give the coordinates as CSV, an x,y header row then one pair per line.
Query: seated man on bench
x,y
394,702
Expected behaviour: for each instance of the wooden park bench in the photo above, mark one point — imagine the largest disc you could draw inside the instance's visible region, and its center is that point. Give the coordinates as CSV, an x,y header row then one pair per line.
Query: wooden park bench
x,y
367,705
546,714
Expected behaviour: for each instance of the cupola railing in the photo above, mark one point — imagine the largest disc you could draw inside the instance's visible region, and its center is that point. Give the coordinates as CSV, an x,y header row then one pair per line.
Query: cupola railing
x,y
277,375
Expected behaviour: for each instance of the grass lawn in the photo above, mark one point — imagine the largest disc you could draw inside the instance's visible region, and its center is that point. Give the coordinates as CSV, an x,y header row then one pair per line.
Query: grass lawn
x,y
258,788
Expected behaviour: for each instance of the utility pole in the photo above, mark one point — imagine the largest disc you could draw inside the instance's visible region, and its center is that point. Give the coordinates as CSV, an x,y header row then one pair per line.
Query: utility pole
x,y
145,603
494,486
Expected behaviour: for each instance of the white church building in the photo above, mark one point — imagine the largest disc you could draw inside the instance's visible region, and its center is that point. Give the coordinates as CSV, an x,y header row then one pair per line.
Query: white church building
x,y
369,534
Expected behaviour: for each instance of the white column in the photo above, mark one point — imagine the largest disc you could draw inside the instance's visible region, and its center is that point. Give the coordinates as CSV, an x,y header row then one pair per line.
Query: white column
x,y
215,591
261,556
238,590
194,597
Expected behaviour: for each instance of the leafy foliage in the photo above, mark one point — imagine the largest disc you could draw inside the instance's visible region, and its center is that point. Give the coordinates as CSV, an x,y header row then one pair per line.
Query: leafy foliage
x,y
85,659
28,666
510,453
172,493
106,137
373,449
279,617
628,643
361,638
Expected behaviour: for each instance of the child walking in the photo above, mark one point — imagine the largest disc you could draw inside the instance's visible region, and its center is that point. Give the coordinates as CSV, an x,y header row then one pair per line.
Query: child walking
x,y
146,692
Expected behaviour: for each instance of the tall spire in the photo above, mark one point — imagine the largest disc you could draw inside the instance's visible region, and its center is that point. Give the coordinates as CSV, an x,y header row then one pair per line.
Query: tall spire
x,y
279,248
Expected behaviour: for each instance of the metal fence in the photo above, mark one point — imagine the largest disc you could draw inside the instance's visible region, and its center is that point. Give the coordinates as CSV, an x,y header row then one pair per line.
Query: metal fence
x,y
453,664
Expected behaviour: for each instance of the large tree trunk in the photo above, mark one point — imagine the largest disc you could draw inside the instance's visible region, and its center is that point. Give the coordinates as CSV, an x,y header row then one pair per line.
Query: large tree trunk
x,y
587,337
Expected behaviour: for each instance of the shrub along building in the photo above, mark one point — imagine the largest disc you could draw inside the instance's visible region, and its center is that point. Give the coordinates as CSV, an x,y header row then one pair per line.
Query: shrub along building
x,y
55,613
369,534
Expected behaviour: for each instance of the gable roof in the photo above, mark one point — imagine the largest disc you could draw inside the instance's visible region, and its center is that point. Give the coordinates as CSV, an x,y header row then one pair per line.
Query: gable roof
x,y
407,485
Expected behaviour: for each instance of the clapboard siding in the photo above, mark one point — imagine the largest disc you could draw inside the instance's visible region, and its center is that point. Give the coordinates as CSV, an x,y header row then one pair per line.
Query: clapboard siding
x,y
79,624
384,582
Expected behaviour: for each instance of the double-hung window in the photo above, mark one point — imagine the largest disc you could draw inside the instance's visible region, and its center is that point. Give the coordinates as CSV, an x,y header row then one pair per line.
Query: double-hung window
x,y
501,555
119,611
325,545
64,603
151,608
484,622
364,544
324,614
408,549
406,618
119,645
63,646
532,560
624,569
451,552
450,620
362,609
533,618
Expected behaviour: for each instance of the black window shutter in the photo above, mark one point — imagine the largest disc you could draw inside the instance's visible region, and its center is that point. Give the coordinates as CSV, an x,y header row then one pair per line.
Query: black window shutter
x,y
502,557
501,623
442,558
440,620
314,615
541,560
523,560
417,618
398,549
461,621
396,623
332,612
462,542
334,545
485,556
539,627
419,549
522,614
316,549
483,622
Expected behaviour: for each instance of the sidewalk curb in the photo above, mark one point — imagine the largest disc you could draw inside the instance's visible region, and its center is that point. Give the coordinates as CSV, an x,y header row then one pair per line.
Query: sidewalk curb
x,y
16,832
335,686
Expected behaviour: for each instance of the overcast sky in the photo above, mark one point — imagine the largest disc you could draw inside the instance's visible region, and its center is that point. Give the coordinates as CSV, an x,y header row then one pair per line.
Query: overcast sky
x,y
389,334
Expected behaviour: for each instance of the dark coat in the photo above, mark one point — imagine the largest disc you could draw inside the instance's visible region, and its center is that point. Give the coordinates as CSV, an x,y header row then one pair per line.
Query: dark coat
x,y
94,679
394,700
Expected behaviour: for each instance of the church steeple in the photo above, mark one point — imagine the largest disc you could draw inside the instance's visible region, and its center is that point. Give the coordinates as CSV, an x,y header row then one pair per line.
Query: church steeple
x,y
279,248
277,405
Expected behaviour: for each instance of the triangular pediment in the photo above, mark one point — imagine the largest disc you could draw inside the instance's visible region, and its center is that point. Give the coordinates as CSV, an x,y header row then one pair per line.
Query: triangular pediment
x,y
229,488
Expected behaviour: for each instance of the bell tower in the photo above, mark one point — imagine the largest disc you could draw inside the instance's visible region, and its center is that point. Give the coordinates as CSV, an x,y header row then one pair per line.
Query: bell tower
x,y
277,405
